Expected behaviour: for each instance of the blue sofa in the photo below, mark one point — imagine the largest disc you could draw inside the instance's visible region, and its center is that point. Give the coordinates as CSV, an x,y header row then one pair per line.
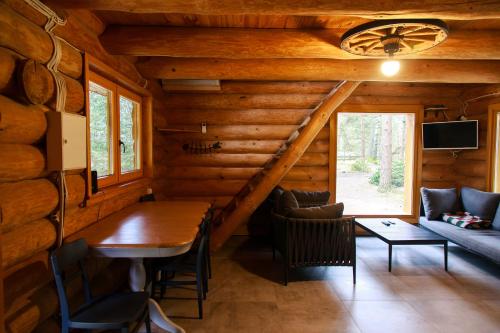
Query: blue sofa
x,y
485,242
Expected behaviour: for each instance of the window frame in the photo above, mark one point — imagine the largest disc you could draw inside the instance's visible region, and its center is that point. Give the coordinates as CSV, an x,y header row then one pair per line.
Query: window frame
x,y
107,84
493,146
417,110
102,74
134,174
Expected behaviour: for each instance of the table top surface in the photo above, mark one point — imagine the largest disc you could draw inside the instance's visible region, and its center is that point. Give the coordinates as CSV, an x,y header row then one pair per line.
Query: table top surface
x,y
400,231
159,224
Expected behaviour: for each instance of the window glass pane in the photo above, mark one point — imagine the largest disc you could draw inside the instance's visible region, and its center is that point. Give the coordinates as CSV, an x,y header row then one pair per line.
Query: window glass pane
x,y
100,130
129,135
375,163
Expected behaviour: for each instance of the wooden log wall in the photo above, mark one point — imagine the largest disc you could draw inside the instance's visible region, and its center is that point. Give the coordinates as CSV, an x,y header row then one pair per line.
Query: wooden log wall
x,y
252,118
251,128
472,166
28,192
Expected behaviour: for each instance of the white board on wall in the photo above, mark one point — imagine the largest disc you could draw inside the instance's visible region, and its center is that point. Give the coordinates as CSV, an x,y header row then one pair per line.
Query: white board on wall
x,y
66,141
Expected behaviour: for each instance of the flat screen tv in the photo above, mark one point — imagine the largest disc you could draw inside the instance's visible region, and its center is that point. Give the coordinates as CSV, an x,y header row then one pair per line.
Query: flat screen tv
x,y
450,135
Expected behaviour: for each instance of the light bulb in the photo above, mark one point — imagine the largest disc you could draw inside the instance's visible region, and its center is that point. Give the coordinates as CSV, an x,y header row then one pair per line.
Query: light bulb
x,y
390,67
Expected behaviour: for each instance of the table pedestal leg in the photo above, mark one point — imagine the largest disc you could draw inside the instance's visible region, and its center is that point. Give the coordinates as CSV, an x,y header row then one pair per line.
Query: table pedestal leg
x,y
137,281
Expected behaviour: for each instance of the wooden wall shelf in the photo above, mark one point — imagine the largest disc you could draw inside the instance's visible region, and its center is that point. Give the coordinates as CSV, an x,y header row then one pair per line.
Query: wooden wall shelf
x,y
176,130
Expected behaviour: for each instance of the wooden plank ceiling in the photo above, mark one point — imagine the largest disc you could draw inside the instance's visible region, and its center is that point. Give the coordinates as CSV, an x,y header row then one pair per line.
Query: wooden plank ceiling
x,y
194,39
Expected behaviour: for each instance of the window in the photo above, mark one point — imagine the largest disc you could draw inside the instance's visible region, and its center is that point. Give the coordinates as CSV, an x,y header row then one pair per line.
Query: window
x,y
115,131
375,162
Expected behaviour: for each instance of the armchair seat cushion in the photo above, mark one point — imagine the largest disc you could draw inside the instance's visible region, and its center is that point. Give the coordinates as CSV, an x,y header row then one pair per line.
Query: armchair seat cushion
x,y
332,211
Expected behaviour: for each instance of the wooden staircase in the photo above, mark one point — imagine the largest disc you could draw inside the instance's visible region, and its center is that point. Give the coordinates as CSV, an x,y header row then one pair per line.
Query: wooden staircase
x,y
244,203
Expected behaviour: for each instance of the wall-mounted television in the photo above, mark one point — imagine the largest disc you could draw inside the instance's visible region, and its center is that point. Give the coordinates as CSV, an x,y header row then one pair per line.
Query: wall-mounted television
x,y
450,135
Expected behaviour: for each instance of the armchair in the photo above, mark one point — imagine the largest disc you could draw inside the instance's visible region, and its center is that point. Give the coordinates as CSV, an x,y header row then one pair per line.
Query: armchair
x,y
314,242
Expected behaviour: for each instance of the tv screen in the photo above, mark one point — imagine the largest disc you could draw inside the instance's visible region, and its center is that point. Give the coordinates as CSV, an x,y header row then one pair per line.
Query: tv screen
x,y
450,135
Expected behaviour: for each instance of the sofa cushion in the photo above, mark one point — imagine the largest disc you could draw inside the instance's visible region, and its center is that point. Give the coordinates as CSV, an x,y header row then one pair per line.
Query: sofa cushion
x,y
438,201
496,221
287,202
332,211
309,199
482,204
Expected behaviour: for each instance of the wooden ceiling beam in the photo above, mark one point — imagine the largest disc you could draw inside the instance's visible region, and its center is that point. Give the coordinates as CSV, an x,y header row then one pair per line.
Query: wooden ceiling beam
x,y
235,43
444,9
439,71
324,87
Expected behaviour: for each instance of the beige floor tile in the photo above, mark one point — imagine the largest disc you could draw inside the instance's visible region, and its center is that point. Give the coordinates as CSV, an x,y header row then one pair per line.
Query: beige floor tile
x,y
316,320
246,293
374,287
308,295
480,286
442,287
460,316
388,316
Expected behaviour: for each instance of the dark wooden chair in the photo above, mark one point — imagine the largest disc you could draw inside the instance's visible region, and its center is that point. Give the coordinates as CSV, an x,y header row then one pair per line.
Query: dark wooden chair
x,y
112,312
196,261
315,242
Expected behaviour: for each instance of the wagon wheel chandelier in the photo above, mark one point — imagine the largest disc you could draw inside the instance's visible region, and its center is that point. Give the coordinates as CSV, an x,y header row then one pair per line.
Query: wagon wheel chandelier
x,y
394,38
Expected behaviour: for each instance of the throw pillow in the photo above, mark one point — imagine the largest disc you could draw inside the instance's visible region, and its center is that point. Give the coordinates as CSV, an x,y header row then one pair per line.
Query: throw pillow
x,y
466,220
287,203
308,199
332,211
276,197
438,201
482,204
496,221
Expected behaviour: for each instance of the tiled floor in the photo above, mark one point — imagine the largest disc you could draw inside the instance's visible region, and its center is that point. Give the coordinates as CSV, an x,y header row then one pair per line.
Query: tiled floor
x,y
246,294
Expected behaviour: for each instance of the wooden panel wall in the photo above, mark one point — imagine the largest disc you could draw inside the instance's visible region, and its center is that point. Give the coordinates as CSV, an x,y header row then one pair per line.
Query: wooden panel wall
x,y
252,118
28,194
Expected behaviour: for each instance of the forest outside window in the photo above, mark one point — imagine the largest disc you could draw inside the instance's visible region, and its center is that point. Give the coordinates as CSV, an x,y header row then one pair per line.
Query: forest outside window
x,y
115,131
375,163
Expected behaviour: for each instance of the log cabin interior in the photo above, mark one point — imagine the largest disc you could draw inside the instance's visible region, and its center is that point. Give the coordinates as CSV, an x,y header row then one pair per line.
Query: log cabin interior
x,y
247,166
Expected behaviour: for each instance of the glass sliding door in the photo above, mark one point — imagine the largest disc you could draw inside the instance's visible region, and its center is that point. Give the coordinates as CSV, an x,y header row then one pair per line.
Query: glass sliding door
x,y
375,163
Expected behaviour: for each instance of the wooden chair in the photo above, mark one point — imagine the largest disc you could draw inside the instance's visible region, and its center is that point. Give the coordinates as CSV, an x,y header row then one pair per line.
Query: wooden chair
x,y
113,312
196,262
315,242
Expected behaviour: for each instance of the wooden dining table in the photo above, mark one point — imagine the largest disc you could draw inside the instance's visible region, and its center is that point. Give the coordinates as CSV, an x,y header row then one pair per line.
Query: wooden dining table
x,y
147,230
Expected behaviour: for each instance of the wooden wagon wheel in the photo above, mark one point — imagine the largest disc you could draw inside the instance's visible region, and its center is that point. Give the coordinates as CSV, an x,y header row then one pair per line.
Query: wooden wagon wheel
x,y
394,37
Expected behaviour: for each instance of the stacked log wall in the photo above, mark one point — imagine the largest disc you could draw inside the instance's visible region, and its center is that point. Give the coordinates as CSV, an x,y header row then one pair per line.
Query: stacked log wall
x,y
251,119
472,166
28,192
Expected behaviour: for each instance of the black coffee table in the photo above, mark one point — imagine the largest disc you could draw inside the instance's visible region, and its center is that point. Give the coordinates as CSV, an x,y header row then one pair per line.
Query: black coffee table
x,y
402,233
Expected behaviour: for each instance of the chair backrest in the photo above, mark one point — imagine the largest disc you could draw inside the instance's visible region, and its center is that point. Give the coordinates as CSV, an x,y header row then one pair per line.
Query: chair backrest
x,y
64,260
309,242
326,242
202,246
